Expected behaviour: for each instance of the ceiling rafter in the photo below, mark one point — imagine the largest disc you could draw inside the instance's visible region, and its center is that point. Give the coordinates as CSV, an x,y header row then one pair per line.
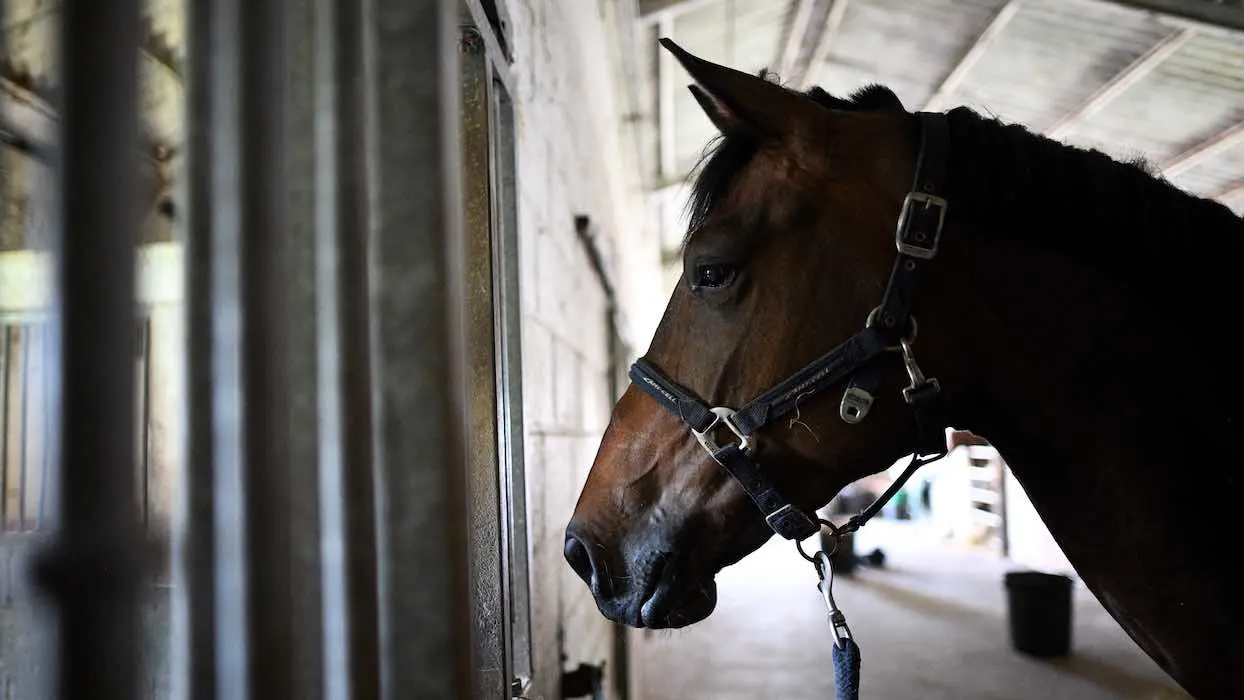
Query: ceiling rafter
x,y
1215,14
1166,47
1229,192
796,32
825,42
655,9
972,56
1206,150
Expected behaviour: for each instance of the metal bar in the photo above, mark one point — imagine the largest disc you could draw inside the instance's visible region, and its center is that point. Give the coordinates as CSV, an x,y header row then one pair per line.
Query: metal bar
x,y
23,424
194,659
1208,149
6,360
1216,14
491,663
301,358
47,485
226,426
666,87
144,444
974,54
347,487
333,30
93,570
266,318
1124,80
418,292
511,428
833,22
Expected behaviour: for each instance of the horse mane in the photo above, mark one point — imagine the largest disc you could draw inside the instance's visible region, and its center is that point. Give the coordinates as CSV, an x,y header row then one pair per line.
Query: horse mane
x,y
1117,216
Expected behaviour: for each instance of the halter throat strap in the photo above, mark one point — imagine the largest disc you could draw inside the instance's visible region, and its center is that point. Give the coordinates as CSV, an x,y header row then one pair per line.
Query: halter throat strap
x,y
889,327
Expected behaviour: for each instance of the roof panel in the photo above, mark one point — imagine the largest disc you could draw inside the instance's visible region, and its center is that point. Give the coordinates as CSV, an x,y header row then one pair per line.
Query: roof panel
x,y
1054,56
1048,62
909,45
1214,175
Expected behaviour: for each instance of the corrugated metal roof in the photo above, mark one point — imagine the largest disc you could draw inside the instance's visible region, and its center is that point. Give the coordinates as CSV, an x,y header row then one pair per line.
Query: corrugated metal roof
x,y
1195,94
908,45
1155,87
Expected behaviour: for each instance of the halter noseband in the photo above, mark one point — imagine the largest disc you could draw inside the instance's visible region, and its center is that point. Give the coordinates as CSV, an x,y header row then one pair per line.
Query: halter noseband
x,y
889,327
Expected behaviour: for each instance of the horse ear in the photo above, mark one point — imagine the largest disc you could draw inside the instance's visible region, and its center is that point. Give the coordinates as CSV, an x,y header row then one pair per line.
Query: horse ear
x,y
732,98
718,113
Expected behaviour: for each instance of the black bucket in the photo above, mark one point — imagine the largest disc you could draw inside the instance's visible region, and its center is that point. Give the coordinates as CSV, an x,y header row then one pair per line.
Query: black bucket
x,y
1039,608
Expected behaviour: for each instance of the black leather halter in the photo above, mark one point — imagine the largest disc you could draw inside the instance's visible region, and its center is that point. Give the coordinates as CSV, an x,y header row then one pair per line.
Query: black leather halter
x,y
890,327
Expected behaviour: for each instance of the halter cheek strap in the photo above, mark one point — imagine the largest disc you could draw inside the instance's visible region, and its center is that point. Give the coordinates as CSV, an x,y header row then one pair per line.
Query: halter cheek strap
x,y
890,327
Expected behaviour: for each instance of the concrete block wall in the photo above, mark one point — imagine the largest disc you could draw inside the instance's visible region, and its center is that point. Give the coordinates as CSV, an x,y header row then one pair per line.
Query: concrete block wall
x,y
573,158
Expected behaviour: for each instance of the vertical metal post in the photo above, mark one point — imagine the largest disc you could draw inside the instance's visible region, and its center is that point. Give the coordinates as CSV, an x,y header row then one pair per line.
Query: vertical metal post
x,y
265,350
417,283
93,569
240,389
194,594
303,323
511,426
489,642
346,486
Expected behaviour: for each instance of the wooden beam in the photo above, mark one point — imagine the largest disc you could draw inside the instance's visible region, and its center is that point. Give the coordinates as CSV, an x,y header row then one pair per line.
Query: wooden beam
x,y
1208,149
1214,14
829,32
973,55
1120,83
791,48
1230,192
649,9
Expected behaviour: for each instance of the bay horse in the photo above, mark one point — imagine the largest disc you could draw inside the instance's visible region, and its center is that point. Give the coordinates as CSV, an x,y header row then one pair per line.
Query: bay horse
x,y
1074,310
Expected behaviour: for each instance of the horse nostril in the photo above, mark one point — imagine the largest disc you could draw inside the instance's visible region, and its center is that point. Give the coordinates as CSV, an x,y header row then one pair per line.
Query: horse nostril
x,y
578,558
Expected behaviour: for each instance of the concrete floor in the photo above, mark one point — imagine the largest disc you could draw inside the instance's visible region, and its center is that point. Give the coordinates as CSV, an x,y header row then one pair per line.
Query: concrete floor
x,y
931,625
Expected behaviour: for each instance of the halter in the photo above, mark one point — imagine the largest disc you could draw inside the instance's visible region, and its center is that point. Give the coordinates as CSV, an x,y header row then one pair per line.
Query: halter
x,y
890,327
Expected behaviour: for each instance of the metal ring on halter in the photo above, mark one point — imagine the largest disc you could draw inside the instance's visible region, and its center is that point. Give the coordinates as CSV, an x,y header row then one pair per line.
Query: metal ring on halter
x,y
834,531
872,318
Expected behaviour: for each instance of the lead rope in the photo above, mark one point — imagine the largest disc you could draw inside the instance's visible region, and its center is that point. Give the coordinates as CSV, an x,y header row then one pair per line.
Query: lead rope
x,y
922,395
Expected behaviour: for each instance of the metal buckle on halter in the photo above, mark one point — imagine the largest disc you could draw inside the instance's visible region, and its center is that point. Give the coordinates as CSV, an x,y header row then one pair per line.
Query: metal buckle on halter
x,y
723,416
855,404
918,241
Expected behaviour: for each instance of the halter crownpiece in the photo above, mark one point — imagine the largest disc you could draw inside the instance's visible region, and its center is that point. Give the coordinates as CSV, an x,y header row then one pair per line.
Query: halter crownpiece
x,y
890,327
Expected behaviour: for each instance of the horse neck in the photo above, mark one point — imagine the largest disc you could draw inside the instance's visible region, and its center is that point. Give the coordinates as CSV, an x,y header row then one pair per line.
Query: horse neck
x,y
1088,284
1114,406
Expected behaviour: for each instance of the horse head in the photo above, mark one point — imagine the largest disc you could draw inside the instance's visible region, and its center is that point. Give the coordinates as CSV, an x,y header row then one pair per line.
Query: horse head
x,y
790,246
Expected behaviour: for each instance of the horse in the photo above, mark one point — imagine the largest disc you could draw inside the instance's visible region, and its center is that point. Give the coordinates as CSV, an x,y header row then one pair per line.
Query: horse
x,y
846,257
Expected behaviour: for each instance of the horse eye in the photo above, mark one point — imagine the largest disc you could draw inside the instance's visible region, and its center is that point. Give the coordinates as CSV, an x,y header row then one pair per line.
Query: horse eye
x,y
713,275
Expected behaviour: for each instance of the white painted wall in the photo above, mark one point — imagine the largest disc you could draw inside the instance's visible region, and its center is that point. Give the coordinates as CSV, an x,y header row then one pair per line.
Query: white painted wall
x,y
573,158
